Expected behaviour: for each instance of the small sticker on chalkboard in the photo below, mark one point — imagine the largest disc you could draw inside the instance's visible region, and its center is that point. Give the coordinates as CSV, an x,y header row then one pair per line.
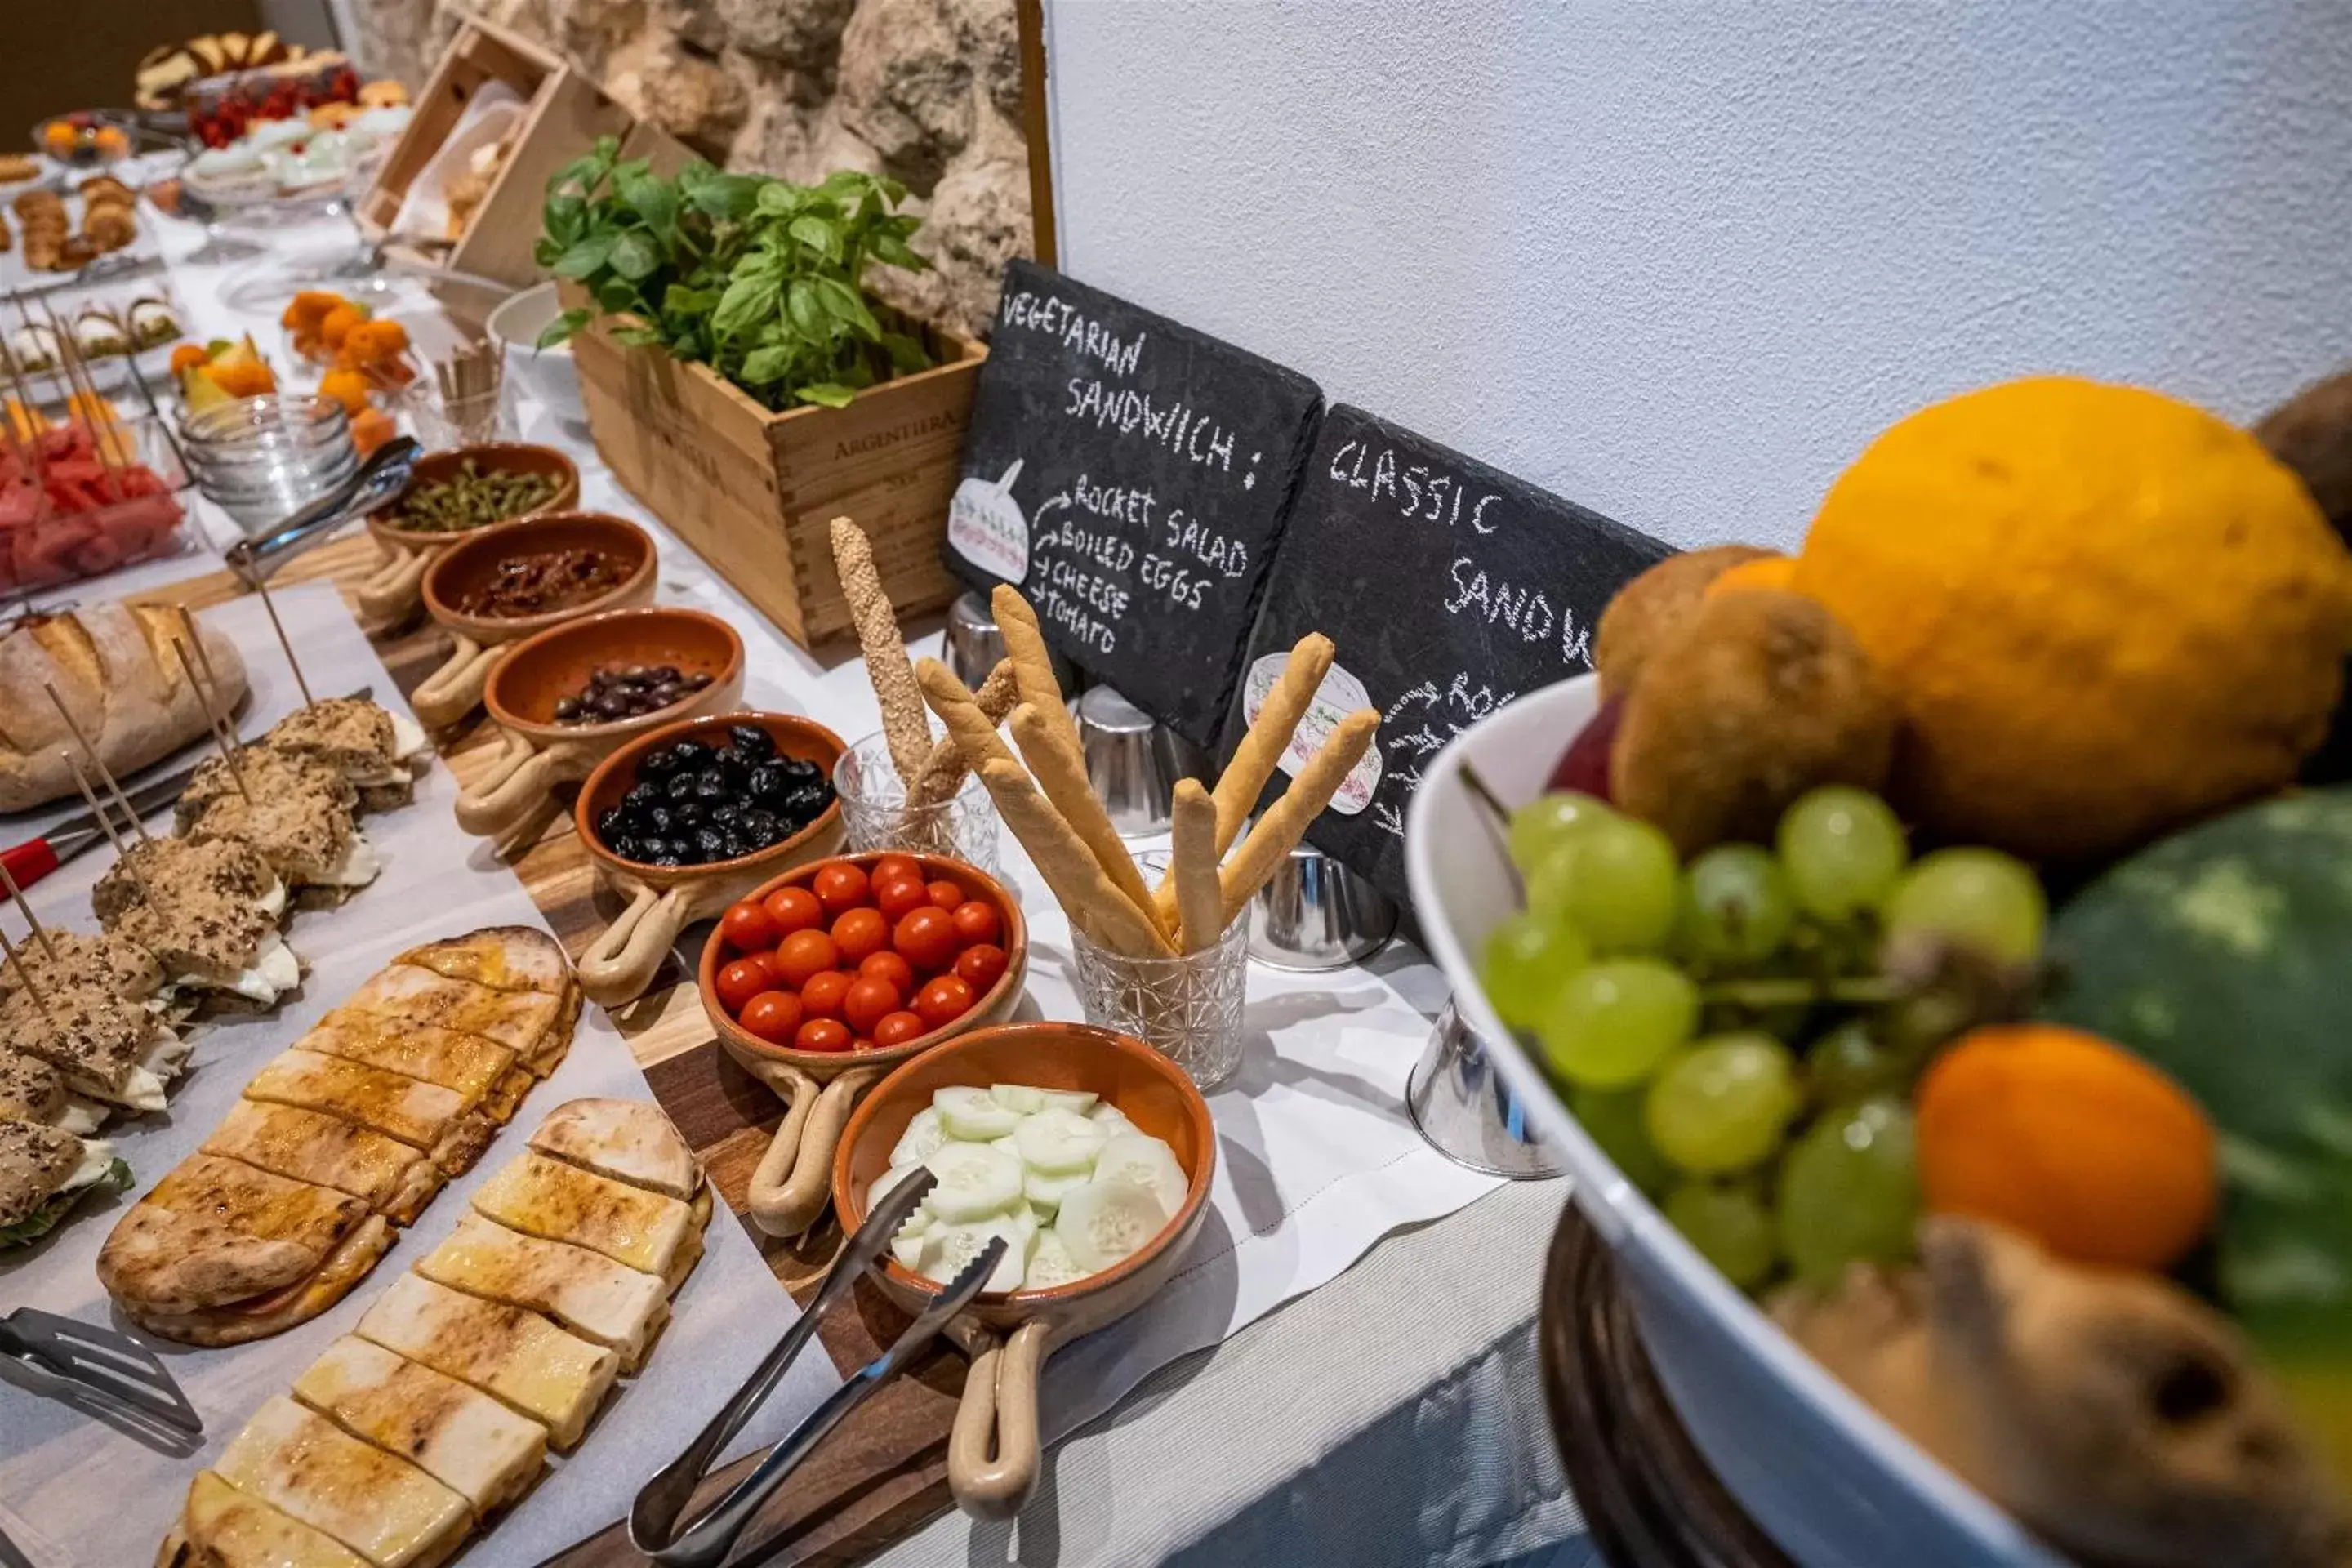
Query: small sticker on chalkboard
x,y
986,526
1339,695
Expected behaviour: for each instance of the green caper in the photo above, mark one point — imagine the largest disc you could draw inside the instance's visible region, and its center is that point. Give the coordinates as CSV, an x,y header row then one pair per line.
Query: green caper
x,y
472,499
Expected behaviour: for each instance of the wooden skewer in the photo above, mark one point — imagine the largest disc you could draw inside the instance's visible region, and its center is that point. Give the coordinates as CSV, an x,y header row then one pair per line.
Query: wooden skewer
x,y
83,390
31,920
95,760
279,627
212,720
106,824
25,978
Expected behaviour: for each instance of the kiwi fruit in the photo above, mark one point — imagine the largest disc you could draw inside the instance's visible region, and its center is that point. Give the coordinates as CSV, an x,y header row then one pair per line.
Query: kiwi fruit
x,y
1651,611
1763,696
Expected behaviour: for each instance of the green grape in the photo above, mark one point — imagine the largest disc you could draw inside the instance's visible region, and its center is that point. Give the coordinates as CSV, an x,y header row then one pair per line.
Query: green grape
x,y
1612,1118
1736,905
1981,899
1527,960
1729,1226
1615,879
1722,1105
1849,1192
1611,1024
1843,849
1547,822
1850,1064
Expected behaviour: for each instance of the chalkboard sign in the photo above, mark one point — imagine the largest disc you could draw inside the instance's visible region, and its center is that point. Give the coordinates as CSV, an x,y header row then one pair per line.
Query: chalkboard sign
x,y
1449,588
1131,476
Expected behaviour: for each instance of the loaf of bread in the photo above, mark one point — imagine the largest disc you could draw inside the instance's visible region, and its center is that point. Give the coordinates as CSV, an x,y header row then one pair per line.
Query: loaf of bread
x,y
115,667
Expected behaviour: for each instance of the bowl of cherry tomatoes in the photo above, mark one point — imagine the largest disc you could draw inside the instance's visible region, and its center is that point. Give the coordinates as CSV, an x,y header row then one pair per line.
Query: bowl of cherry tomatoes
x,y
824,978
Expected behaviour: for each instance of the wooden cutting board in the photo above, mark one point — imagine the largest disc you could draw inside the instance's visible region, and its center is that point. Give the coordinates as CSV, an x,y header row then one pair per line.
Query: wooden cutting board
x,y
883,1472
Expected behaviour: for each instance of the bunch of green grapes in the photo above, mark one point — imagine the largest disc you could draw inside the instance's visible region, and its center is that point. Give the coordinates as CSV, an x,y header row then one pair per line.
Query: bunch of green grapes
x,y
1721,1028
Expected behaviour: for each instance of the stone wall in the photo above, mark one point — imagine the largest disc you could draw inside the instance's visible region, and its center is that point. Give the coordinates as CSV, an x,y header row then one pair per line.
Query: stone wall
x,y
928,91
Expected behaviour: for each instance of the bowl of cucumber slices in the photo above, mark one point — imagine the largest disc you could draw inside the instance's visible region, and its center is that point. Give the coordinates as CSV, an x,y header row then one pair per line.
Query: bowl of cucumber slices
x,y
1086,1151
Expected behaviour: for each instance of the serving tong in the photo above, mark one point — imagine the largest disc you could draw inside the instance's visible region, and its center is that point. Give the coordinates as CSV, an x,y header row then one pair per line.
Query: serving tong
x,y
705,1540
110,1368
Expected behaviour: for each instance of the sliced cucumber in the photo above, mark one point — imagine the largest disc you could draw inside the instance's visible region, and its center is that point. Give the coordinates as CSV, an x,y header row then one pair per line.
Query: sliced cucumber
x,y
1009,1143
887,1181
973,1113
907,1246
1078,1099
923,1134
1146,1161
1050,1264
1107,1219
1110,1119
975,1181
1057,1141
1045,1190
949,1247
1019,1097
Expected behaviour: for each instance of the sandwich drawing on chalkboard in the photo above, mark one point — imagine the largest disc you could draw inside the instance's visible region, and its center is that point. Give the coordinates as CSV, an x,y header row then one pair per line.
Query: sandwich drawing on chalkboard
x,y
987,527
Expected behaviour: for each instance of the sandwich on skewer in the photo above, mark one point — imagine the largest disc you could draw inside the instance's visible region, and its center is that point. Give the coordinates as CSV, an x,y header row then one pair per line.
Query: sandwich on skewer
x,y
373,748
208,910
44,1171
33,1091
105,1048
295,812
117,965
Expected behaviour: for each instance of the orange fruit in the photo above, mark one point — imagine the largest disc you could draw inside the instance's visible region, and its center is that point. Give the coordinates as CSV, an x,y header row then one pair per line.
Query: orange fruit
x,y
1764,571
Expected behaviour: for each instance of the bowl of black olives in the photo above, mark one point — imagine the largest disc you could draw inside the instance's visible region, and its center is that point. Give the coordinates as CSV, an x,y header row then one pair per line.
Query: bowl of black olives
x,y
572,695
691,815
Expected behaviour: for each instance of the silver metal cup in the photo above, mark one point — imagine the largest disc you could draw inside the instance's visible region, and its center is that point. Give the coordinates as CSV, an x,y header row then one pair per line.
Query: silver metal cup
x,y
1468,1113
974,644
1132,761
1315,914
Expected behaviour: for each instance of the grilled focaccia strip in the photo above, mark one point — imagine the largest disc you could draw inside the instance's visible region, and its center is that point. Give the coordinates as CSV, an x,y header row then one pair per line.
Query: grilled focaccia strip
x,y
521,1021
628,1140
395,1180
514,1354
217,1231
384,1508
220,1527
472,1065
650,1232
504,958
458,1436
587,1292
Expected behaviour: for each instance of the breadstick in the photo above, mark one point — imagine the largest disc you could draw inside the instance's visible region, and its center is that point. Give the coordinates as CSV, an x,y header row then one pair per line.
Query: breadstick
x,y
1087,896
1053,758
972,730
1033,665
1193,866
942,775
903,724
1245,777
1277,832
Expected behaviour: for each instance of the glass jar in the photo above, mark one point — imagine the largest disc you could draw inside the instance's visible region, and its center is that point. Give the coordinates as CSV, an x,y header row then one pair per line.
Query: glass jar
x,y
876,816
1188,1008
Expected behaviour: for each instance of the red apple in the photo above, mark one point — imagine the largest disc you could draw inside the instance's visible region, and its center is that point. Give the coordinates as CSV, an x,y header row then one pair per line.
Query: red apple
x,y
1584,766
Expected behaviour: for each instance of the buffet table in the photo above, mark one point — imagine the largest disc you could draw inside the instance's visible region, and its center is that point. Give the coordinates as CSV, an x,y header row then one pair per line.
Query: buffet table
x,y
1318,1392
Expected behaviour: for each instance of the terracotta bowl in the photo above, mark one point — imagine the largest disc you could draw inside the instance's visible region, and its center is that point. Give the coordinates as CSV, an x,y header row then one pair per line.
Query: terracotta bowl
x,y
1011,1333
452,691
524,687
390,595
666,899
787,1191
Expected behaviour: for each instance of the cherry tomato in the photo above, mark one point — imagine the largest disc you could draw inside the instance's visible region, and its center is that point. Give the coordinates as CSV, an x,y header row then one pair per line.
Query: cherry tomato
x,y
821,996
747,928
943,1000
822,1034
981,965
978,921
861,1044
805,953
926,938
890,868
900,896
887,965
794,908
741,981
772,1016
860,933
947,895
898,1029
869,1002
839,886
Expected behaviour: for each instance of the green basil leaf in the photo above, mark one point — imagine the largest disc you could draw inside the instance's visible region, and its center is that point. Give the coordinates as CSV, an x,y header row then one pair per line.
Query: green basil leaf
x,y
826,393
776,198
808,312
889,248
894,189
684,300
652,200
587,255
818,235
618,295
746,300
561,329
634,255
841,303
731,197
762,366
907,353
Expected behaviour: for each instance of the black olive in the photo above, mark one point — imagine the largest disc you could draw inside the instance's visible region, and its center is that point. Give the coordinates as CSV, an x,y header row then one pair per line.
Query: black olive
x,y
635,672
710,841
611,706
626,846
641,793
688,813
758,828
566,708
804,800
712,786
727,811
681,785
767,783
735,846
663,672
611,824
697,679
753,743
658,818
664,858
691,756
660,762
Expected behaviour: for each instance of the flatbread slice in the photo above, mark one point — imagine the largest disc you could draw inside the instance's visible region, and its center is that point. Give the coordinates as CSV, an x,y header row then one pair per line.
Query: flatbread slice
x,y
548,1198
553,1048
518,1020
628,1140
384,1508
217,1230
395,1179
587,1292
514,1355
220,1527
472,1065
460,1437
504,958
417,1113
260,1316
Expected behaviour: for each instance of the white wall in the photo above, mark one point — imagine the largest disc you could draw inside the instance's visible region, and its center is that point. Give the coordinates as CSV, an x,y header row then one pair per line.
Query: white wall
x,y
1678,259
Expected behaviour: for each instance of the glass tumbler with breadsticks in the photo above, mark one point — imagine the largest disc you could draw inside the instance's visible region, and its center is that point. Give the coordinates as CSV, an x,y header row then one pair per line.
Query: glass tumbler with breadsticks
x,y
1167,964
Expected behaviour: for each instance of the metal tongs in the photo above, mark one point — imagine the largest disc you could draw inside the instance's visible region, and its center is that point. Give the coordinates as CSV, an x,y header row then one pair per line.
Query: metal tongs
x,y
705,1540
110,1368
381,477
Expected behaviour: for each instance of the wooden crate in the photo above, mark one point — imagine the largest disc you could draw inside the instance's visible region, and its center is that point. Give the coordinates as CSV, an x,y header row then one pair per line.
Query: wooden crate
x,y
755,491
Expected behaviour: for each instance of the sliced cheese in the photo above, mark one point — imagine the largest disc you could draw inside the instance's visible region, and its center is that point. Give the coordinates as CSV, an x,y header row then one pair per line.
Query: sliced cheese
x,y
469,1064
227,1529
586,1292
548,1198
384,1508
628,1140
311,1146
458,1436
275,969
515,1355
408,738
518,1020
356,867
415,1112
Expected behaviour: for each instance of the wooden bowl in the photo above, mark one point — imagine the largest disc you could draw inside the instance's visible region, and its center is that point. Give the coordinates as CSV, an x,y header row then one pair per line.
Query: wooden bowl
x,y
1013,1331
524,687
788,1190
452,691
666,899
390,595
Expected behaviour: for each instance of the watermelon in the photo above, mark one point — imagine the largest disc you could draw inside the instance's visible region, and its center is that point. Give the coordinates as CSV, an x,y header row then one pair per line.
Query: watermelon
x,y
2223,955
